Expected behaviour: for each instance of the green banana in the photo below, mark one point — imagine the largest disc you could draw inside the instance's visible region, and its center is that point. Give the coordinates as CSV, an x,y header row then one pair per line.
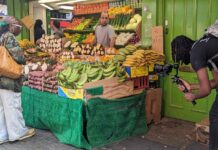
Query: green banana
x,y
60,76
109,69
107,74
74,77
100,74
122,79
125,51
120,57
83,79
112,75
67,72
93,72
131,48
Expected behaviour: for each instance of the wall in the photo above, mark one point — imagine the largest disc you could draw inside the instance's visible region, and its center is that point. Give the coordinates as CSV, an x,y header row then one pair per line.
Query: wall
x,y
19,9
37,12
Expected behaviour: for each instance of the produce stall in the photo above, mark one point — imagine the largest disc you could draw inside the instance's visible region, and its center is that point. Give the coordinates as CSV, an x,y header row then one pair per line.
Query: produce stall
x,y
89,95
97,123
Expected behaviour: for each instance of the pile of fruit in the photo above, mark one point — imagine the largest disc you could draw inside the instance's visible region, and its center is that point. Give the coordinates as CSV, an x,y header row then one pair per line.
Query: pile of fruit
x,y
143,57
120,10
132,56
75,22
77,74
83,24
80,38
26,44
89,39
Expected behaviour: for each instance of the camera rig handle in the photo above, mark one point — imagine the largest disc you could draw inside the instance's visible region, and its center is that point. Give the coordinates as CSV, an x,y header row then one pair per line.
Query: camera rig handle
x,y
166,69
178,81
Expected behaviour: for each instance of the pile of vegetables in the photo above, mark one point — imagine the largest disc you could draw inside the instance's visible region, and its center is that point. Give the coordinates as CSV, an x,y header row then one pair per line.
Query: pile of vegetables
x,y
50,44
134,21
84,49
123,38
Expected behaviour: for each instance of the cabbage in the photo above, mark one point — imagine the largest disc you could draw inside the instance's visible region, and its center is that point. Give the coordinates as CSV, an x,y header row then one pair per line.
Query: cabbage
x,y
137,17
134,25
133,20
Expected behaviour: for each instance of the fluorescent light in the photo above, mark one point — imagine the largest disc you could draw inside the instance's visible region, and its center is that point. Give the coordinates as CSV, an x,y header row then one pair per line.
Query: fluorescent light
x,y
46,6
70,2
66,7
48,1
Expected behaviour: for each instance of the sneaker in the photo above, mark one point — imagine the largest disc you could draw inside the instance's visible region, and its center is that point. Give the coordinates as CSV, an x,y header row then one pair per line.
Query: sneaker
x,y
2,142
31,132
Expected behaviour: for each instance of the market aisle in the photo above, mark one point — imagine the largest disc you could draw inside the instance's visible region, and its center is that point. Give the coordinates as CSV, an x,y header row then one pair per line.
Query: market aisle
x,y
170,134
44,140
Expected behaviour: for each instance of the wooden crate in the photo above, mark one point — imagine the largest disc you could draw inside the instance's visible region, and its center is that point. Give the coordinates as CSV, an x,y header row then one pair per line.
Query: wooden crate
x,y
202,131
153,103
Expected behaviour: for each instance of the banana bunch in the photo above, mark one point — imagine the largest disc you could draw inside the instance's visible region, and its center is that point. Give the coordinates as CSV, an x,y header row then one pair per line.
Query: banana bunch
x,y
77,74
123,52
143,57
26,44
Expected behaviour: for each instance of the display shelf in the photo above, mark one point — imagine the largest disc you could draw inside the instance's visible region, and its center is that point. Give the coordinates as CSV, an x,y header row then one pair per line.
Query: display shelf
x,y
63,19
89,31
131,31
77,31
81,15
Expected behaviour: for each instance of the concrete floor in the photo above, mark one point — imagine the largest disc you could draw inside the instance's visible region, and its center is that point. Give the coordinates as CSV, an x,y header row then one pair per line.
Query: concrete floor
x,y
170,134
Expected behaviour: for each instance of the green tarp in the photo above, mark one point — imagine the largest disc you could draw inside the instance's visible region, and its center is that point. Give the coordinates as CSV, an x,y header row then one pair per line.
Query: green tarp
x,y
97,123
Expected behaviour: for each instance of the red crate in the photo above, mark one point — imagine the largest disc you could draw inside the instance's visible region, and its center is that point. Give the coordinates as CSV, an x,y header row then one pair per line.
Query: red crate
x,y
140,82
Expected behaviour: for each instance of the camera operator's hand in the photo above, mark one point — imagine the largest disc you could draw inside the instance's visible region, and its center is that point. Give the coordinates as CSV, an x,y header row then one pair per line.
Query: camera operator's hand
x,y
190,97
186,84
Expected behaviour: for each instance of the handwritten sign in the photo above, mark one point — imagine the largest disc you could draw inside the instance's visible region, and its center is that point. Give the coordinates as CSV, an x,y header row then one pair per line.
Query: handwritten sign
x,y
157,38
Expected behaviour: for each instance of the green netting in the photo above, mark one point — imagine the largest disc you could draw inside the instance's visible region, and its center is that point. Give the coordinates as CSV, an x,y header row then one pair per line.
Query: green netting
x,y
109,121
64,117
98,123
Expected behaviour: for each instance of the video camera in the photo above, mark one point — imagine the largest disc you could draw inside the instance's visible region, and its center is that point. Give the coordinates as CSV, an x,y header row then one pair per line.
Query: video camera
x,y
166,70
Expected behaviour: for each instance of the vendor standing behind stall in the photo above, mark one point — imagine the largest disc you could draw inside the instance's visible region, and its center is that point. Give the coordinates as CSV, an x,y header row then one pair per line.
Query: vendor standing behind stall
x,y
58,33
104,33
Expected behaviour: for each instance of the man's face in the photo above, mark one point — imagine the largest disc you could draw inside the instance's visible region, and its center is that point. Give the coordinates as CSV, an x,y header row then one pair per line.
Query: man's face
x,y
104,19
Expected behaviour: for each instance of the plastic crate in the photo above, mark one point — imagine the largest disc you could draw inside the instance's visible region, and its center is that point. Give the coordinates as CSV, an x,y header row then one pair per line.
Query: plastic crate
x,y
140,82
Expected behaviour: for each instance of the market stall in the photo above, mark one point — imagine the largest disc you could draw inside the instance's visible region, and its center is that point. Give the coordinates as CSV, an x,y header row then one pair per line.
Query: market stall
x,y
89,95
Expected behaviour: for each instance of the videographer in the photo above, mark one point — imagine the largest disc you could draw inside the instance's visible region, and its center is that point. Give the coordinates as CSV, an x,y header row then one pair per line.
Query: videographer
x,y
202,54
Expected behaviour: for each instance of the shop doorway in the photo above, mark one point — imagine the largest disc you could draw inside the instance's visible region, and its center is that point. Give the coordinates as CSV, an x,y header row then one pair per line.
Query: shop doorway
x,y
190,18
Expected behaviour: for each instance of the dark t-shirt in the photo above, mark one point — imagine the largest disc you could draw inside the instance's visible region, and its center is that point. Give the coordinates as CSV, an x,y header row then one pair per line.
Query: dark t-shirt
x,y
38,32
202,51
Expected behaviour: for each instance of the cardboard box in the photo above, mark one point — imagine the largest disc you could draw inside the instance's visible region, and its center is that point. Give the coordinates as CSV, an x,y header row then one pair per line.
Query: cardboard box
x,y
107,88
70,93
153,103
202,131
134,72
112,88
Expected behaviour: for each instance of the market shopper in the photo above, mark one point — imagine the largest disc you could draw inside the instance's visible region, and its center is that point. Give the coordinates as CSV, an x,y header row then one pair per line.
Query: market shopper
x,y
104,33
12,125
38,30
202,53
57,29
